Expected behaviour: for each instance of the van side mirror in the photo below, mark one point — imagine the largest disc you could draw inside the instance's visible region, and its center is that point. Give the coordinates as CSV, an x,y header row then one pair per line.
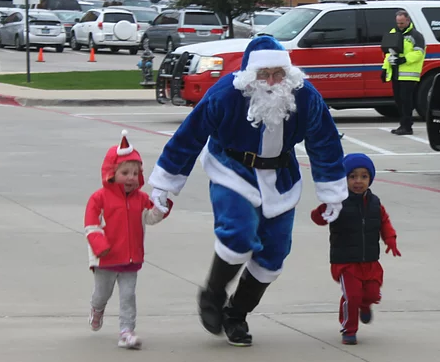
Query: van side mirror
x,y
314,38
76,20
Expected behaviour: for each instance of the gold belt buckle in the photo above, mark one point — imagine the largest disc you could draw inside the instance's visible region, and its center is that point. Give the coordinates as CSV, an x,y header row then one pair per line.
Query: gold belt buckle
x,y
254,156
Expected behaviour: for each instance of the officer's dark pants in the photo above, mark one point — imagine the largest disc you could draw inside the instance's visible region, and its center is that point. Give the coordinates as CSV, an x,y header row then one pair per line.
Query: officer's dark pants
x,y
404,97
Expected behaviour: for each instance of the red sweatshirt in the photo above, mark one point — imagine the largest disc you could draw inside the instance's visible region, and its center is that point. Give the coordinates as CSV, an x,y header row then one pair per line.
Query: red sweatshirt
x,y
367,270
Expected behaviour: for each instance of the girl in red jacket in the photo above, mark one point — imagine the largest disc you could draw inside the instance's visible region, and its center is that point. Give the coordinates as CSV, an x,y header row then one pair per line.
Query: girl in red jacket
x,y
354,245
114,223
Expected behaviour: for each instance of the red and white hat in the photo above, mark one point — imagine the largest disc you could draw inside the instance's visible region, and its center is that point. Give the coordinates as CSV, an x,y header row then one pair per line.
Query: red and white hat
x,y
125,148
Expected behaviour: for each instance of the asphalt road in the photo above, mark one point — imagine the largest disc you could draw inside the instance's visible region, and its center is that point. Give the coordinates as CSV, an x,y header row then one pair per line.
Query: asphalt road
x,y
12,61
50,160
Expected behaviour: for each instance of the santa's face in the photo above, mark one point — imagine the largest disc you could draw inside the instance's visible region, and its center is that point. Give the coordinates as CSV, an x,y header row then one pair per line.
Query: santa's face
x,y
271,93
271,75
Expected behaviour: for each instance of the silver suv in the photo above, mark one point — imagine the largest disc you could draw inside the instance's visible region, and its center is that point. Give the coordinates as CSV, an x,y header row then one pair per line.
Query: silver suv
x,y
174,28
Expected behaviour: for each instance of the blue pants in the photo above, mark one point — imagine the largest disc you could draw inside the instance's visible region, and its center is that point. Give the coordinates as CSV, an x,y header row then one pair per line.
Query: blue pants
x,y
245,235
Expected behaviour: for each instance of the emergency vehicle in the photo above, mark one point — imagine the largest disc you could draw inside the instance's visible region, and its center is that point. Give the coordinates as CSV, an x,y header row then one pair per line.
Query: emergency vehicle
x,y
337,45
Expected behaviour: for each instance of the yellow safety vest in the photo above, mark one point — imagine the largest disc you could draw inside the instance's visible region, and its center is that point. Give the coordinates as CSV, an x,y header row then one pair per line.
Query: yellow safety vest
x,y
412,69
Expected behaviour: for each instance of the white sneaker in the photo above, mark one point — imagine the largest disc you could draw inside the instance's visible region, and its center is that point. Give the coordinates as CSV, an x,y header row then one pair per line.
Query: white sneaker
x,y
127,339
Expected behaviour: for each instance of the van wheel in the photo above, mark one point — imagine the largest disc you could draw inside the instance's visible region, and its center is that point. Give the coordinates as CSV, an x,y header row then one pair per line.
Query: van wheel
x,y
134,50
74,44
59,48
1,45
170,45
421,97
388,111
114,50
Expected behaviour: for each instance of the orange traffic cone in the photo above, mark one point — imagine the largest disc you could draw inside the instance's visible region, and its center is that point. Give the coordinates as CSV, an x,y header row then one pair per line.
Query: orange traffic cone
x,y
40,56
92,55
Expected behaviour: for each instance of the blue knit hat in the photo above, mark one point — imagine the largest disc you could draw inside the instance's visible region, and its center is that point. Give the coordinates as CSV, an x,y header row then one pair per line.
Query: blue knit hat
x,y
265,52
359,160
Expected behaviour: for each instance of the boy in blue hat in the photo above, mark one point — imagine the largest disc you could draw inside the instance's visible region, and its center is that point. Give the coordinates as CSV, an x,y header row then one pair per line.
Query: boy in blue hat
x,y
354,245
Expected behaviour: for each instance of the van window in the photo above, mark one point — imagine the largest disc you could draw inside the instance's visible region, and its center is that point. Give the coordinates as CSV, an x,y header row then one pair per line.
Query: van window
x,y
379,22
117,17
432,15
199,18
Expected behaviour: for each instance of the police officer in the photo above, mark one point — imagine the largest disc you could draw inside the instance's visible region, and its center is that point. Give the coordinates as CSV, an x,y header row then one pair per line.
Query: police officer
x,y
404,70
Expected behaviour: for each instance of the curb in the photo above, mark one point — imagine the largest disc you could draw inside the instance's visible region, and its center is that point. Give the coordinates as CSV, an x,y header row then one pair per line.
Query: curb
x,y
8,100
32,102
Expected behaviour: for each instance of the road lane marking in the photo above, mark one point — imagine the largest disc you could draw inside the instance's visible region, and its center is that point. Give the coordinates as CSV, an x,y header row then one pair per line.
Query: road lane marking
x,y
414,138
368,145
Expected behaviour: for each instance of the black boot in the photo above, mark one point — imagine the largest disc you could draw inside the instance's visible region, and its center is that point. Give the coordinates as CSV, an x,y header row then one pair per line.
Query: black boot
x,y
213,297
247,296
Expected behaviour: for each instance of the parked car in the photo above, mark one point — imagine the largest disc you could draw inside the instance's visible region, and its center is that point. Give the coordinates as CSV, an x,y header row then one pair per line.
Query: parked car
x,y
247,25
142,3
177,27
159,8
45,30
57,5
106,28
67,18
144,17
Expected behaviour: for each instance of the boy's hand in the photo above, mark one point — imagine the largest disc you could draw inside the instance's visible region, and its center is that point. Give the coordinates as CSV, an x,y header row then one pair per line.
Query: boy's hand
x,y
104,253
392,245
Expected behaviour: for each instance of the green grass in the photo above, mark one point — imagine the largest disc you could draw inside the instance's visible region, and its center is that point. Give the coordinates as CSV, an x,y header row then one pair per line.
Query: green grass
x,y
106,79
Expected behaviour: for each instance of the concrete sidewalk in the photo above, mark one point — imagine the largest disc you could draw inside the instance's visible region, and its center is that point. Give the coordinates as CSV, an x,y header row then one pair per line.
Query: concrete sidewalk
x,y
24,96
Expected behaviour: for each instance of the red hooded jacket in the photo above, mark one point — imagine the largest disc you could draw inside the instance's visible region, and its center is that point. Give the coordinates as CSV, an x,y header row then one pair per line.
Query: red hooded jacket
x,y
115,221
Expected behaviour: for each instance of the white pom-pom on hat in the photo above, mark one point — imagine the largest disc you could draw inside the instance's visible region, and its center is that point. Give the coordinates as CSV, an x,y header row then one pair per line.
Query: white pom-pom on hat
x,y
124,148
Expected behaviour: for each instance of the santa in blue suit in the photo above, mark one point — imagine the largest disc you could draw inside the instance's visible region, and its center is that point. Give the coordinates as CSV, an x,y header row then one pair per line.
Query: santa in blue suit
x,y
245,129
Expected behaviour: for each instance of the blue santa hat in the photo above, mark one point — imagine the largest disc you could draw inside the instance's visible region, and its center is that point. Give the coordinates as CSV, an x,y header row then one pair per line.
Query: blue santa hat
x,y
265,52
359,160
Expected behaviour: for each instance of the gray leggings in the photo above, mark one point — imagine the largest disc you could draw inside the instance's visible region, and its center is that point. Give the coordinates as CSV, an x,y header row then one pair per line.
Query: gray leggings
x,y
105,282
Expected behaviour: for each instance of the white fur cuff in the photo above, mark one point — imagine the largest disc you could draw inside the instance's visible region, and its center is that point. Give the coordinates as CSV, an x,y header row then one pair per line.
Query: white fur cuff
x,y
332,192
230,256
163,180
261,274
259,59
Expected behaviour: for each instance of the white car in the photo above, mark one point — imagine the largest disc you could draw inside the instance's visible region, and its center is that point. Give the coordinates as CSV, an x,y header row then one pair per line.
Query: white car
x,y
106,28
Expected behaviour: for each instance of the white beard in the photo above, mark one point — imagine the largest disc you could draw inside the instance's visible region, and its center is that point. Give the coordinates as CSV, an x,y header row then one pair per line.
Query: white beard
x,y
269,105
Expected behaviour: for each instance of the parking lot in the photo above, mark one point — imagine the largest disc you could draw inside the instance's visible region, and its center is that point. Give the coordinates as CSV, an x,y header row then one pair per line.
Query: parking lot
x,y
51,159
12,61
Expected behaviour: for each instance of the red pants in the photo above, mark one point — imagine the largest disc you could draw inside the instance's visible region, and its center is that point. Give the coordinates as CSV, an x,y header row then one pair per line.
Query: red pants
x,y
358,292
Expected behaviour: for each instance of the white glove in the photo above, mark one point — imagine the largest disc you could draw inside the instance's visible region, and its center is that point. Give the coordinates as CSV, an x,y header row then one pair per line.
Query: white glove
x,y
159,198
392,59
332,212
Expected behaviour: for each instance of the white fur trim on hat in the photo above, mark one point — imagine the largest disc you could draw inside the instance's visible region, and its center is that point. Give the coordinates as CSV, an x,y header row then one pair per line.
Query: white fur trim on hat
x,y
259,59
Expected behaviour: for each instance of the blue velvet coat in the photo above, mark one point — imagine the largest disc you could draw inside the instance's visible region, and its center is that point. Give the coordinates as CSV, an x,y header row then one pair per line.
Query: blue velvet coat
x,y
219,121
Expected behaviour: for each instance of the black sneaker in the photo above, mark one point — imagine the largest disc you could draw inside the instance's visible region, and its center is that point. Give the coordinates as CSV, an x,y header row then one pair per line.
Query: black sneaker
x,y
237,330
211,310
393,131
403,131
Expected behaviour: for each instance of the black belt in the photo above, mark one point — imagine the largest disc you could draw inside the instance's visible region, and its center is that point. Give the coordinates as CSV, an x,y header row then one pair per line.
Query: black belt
x,y
250,159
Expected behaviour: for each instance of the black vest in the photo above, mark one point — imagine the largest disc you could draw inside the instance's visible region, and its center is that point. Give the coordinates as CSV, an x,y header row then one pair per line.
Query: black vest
x,y
355,234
